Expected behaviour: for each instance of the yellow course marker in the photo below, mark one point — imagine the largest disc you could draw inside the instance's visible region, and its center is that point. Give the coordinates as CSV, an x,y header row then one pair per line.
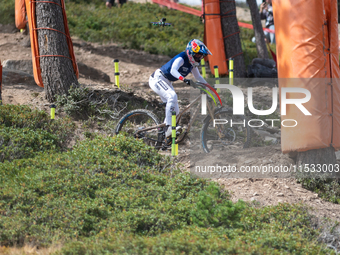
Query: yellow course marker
x,y
174,146
52,111
204,74
231,71
217,78
116,61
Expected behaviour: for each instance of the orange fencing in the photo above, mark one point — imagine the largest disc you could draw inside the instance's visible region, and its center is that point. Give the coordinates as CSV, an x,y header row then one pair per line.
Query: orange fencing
x,y
30,8
213,37
307,49
20,14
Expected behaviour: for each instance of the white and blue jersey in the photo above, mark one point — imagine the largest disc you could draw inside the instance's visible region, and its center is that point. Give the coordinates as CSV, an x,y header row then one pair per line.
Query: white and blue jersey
x,y
184,69
161,81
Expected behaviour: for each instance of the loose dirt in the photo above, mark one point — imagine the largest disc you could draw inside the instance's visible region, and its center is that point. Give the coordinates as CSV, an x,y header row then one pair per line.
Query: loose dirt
x,y
135,68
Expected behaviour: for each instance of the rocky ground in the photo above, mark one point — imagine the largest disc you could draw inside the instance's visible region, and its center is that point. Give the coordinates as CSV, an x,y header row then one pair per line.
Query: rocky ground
x,y
97,71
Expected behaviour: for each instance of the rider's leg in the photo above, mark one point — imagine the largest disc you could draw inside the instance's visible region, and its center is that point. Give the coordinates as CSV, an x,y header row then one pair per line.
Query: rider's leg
x,y
165,90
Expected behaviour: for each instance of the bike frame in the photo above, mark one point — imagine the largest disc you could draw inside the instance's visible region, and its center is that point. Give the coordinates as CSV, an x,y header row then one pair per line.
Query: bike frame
x,y
197,99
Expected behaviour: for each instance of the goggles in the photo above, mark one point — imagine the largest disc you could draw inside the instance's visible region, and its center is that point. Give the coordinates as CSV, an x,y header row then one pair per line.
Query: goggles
x,y
198,56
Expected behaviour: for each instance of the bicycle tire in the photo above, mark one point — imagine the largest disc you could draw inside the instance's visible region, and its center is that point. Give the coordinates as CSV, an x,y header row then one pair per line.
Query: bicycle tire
x,y
141,118
236,134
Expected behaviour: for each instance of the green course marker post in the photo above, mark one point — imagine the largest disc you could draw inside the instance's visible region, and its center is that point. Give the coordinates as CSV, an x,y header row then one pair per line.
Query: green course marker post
x,y
204,74
217,78
52,106
231,71
174,146
116,61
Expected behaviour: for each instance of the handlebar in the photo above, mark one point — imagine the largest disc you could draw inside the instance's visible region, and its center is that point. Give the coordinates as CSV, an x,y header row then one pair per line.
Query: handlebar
x,y
204,86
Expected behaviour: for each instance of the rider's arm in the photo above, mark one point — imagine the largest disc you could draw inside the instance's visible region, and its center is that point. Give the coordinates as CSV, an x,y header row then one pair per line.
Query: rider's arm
x,y
197,75
175,66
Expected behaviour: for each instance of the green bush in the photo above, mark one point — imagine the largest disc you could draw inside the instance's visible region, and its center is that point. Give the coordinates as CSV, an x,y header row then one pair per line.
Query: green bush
x,y
282,229
24,143
117,195
327,188
24,132
7,11
115,183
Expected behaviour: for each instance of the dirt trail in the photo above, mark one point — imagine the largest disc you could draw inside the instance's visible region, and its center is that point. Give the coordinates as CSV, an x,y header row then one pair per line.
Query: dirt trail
x,y
135,68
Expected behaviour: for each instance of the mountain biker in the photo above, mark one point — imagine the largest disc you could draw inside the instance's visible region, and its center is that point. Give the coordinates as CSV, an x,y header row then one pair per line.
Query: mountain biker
x,y
177,69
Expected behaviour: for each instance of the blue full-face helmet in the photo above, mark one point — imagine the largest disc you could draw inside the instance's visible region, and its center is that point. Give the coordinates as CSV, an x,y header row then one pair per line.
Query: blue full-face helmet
x,y
196,50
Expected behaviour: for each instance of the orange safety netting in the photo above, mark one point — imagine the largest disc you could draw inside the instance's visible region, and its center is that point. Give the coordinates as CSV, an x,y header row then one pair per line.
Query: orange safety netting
x,y
20,14
213,37
307,53
30,7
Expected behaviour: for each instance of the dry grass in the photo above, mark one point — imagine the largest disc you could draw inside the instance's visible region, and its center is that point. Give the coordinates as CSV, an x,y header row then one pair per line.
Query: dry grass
x,y
29,250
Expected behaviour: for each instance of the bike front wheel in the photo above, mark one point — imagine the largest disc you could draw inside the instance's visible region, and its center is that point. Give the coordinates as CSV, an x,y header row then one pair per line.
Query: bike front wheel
x,y
134,121
229,130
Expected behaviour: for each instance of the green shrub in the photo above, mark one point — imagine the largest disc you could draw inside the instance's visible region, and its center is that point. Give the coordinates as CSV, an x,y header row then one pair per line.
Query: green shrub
x,y
117,195
24,143
7,11
24,132
215,210
282,229
115,183
327,188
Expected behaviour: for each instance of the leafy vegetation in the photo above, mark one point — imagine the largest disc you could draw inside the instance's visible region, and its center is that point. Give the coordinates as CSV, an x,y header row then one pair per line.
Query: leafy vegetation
x,y
114,195
24,132
7,11
327,188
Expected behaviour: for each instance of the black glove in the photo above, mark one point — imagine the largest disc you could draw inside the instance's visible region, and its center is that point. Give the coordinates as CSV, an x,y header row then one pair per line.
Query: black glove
x,y
187,81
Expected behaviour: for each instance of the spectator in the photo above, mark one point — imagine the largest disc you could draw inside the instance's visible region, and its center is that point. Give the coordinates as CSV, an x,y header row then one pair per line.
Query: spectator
x,y
266,12
110,3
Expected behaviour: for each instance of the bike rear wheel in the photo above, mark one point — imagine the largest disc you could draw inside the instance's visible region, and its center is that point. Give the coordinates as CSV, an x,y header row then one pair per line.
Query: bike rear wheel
x,y
139,119
224,134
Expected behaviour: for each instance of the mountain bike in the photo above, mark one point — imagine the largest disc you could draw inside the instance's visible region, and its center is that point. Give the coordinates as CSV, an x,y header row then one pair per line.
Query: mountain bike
x,y
144,124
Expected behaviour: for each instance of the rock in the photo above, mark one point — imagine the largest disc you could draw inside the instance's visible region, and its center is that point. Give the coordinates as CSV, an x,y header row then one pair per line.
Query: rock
x,y
271,139
280,195
19,65
248,161
337,154
262,133
13,77
301,190
255,194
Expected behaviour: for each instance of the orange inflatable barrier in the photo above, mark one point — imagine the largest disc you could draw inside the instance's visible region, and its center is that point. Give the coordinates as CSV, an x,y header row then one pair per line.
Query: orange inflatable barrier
x,y
30,6
213,37
305,48
332,21
20,14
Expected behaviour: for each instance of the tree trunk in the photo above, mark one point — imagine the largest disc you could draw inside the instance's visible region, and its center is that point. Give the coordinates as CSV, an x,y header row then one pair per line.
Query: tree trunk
x,y
231,35
57,72
259,35
320,158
